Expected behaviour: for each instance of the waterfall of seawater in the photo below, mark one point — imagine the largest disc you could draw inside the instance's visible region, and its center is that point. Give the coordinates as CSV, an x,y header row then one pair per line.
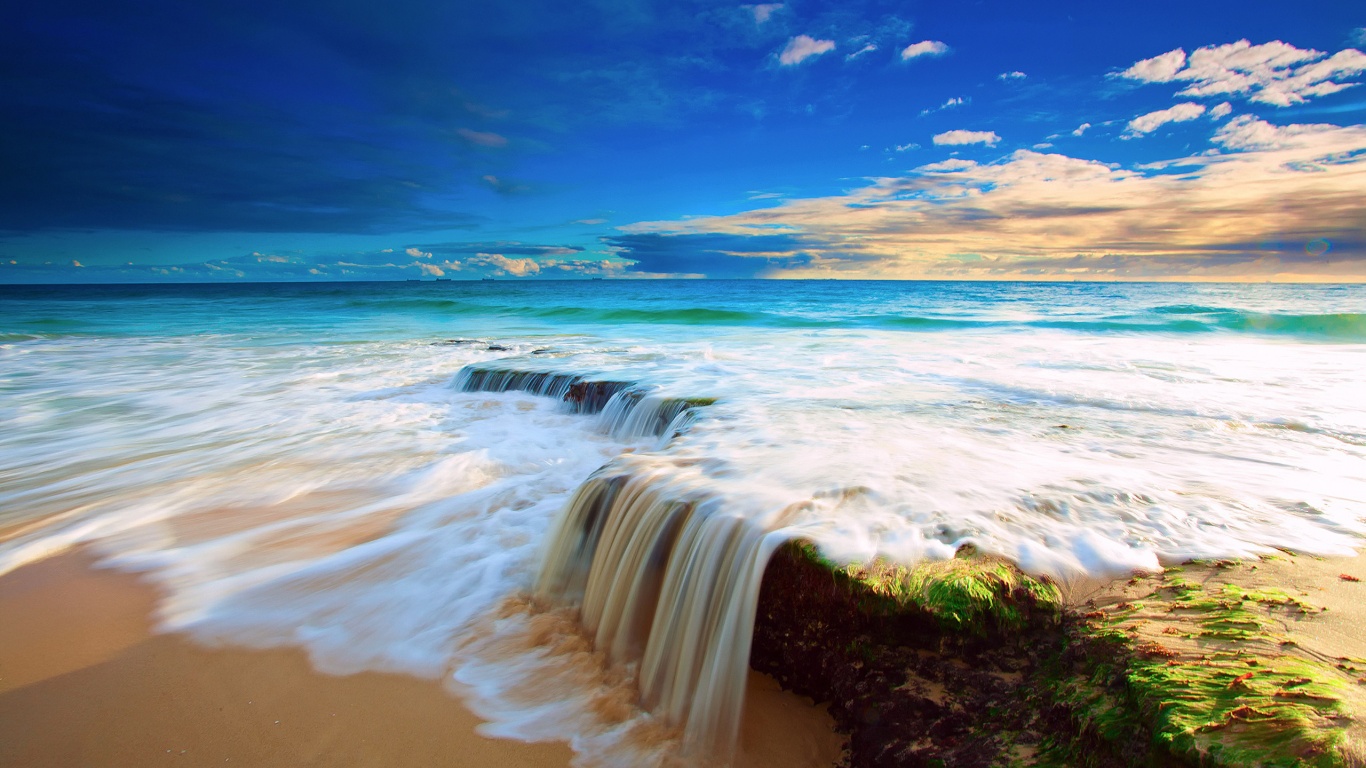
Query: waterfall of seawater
x,y
626,409
667,582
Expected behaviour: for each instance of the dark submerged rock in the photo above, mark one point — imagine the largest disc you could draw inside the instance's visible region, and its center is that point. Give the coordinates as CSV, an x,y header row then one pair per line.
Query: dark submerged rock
x,y
906,691
1177,673
584,394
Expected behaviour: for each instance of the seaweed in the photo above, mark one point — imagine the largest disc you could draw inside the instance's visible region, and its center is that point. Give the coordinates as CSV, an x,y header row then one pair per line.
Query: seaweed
x,y
971,594
1214,687
970,662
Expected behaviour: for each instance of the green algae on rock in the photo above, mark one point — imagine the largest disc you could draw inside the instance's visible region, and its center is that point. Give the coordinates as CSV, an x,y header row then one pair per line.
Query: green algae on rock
x,y
921,666
966,594
971,663
1208,672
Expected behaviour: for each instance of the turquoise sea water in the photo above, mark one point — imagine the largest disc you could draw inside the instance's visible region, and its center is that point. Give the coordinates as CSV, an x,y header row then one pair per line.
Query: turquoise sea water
x,y
373,311
296,464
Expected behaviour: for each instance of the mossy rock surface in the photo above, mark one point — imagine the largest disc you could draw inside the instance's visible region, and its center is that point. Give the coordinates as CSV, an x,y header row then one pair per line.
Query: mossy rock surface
x,y
1209,673
922,667
971,663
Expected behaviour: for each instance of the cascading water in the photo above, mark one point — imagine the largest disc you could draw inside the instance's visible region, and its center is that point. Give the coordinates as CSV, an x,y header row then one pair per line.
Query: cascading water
x,y
666,581
394,522
662,552
627,409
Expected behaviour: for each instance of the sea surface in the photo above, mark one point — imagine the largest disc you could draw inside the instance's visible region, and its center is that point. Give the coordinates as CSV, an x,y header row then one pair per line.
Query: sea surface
x,y
297,464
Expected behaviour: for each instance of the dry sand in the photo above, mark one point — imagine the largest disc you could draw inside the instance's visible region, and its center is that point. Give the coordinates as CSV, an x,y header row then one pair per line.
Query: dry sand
x,y
85,682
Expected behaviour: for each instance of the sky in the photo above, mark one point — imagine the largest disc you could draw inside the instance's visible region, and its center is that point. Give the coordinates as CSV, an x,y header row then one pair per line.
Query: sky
x,y
146,140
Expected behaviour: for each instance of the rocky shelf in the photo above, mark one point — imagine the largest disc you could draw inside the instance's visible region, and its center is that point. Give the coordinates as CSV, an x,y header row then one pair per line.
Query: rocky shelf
x,y
972,663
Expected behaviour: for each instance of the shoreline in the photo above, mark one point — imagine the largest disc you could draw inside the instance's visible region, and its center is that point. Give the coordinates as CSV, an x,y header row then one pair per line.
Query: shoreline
x,y
85,680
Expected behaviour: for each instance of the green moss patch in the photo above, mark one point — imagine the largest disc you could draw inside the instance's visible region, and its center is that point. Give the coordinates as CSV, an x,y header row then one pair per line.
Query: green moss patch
x,y
970,662
972,594
920,666
1208,673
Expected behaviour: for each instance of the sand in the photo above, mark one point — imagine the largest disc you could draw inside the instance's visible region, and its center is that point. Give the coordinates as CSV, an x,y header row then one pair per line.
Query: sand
x,y
85,682
1340,631
1332,632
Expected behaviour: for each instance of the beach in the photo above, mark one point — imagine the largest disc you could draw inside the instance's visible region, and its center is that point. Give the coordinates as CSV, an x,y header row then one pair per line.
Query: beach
x,y
530,522
85,681
683,385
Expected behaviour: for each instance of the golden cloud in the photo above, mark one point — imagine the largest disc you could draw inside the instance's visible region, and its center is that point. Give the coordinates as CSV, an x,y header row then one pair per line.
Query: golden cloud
x,y
1269,203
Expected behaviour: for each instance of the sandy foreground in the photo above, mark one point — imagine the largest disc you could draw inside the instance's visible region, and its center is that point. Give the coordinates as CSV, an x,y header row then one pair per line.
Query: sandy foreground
x,y
85,682
1336,584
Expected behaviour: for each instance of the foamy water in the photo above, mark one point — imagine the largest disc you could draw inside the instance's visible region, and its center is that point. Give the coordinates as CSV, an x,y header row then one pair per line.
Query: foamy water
x,y
297,466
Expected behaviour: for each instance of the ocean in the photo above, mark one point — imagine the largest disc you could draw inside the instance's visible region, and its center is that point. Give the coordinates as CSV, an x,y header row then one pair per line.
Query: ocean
x,y
403,476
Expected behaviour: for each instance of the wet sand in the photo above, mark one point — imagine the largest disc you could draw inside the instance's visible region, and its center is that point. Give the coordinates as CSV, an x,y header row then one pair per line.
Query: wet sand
x,y
1337,584
1332,633
85,682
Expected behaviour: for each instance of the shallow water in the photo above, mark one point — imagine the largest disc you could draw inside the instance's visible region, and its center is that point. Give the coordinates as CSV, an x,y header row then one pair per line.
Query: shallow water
x,y
296,465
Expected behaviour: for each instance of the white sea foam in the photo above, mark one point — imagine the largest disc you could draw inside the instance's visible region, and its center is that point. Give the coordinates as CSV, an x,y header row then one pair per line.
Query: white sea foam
x,y
348,500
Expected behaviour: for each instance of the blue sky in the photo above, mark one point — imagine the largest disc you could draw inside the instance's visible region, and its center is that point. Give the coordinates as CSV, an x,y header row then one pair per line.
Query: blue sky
x,y
148,140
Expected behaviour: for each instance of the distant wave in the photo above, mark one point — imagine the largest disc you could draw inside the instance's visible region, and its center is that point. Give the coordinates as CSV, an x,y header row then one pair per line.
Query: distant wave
x,y
676,316
10,338
1338,326
1186,309
1348,326
1181,318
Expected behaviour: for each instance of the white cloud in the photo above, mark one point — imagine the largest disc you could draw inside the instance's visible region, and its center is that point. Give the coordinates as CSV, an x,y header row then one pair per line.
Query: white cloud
x,y
1221,110
417,253
1008,76
1032,215
956,101
923,48
514,267
1273,73
803,47
1081,129
75,263
1158,69
906,147
952,165
1359,36
481,138
869,48
1183,112
431,269
764,11
1247,132
959,137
